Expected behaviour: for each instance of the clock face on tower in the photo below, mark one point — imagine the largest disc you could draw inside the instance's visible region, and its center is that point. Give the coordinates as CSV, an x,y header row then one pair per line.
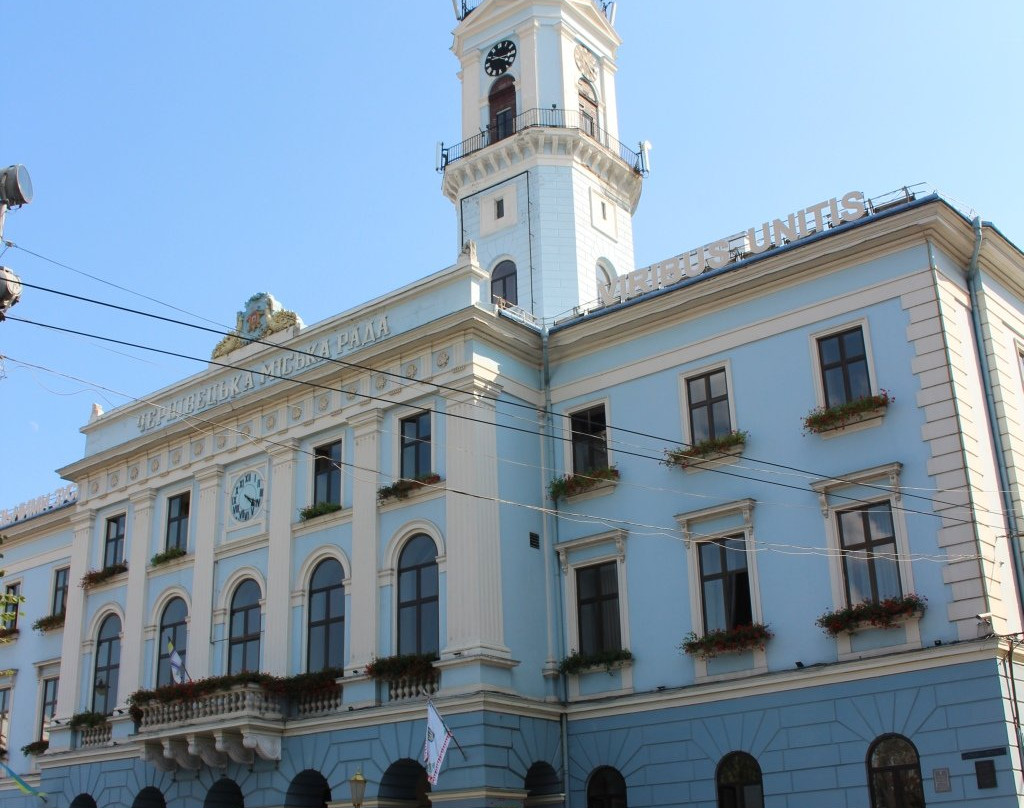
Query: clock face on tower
x,y
247,496
500,58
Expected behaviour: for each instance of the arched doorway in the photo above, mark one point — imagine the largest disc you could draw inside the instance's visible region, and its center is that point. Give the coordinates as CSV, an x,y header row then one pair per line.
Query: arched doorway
x,y
225,793
149,797
308,789
406,780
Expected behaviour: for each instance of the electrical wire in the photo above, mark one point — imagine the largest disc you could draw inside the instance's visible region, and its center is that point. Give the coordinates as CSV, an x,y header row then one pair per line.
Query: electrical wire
x,y
405,382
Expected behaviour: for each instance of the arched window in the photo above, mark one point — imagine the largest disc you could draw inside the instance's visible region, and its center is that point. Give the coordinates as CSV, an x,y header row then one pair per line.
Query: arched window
x,y
326,635
604,274
173,638
244,641
418,609
588,108
108,665
606,788
502,105
739,782
894,773
503,284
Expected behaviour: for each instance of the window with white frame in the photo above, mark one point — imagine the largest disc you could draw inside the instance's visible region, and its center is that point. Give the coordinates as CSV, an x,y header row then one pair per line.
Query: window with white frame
x,y
414,448
48,706
589,437
723,575
870,561
107,668
843,362
59,603
707,403
12,611
327,474
5,719
595,592
113,541
177,522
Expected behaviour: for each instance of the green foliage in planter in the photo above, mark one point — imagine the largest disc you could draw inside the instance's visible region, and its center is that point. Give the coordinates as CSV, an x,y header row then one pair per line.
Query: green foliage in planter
x,y
725,640
400,489
290,686
686,455
885,613
35,748
319,509
402,666
168,555
96,577
50,622
9,632
578,662
571,484
824,419
86,720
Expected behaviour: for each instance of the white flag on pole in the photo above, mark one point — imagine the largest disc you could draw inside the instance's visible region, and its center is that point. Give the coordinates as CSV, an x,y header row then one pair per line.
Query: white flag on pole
x,y
436,744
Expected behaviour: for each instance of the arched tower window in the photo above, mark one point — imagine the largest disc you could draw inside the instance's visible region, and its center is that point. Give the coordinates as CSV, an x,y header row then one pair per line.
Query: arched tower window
x,y
108,665
244,640
502,105
418,605
503,284
606,788
326,635
174,630
588,108
739,782
894,772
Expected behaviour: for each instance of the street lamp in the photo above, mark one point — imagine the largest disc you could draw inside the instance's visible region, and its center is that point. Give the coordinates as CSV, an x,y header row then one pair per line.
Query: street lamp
x,y
15,191
357,788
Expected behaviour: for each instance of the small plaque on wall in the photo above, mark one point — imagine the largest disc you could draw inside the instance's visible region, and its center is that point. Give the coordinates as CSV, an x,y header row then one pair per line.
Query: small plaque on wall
x,y
940,780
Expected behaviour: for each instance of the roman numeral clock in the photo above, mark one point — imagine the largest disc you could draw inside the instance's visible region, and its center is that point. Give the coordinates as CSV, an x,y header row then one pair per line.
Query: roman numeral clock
x,y
500,58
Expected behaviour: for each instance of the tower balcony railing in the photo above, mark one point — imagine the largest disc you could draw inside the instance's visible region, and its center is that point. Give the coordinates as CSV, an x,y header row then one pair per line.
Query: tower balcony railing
x,y
541,118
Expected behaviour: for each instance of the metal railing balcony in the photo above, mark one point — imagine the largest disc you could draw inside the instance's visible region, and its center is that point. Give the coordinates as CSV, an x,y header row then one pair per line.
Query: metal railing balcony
x,y
541,118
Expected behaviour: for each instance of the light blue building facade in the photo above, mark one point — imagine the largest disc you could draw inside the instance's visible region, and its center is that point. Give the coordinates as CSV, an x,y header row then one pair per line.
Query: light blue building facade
x,y
736,529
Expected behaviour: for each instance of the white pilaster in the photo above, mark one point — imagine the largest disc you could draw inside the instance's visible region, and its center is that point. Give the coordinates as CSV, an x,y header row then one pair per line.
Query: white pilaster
x,y
82,523
281,512
473,540
207,531
365,541
132,640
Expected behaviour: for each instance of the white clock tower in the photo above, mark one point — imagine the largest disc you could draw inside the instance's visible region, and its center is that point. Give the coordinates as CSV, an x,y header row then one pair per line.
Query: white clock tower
x,y
540,181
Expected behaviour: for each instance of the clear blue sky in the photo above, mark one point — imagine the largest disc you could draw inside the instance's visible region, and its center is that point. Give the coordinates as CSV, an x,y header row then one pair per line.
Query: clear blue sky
x,y
196,153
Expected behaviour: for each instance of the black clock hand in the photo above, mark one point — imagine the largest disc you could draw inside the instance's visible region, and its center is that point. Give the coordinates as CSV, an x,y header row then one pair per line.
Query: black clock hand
x,y
251,500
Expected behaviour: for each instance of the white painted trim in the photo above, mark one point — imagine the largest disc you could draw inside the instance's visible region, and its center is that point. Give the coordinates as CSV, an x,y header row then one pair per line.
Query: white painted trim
x,y
684,398
566,430
741,512
815,357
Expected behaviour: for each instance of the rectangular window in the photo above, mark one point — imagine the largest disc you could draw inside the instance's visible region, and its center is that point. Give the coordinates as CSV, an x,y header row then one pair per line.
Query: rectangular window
x,y
844,367
113,545
589,439
5,719
499,208
13,609
327,473
708,401
177,522
49,707
415,446
60,590
725,584
869,553
597,608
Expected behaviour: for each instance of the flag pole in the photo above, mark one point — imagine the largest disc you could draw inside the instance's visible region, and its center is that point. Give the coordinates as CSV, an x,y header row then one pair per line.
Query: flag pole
x,y
451,734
